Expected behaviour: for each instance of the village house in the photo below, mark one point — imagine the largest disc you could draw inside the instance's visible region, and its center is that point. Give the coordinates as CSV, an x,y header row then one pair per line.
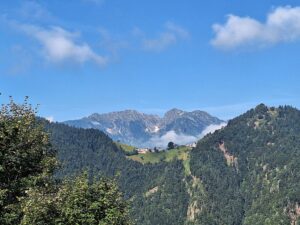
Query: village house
x,y
143,150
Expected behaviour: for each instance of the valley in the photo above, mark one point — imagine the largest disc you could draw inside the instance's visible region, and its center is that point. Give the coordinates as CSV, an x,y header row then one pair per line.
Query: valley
x,y
153,112
244,173
234,171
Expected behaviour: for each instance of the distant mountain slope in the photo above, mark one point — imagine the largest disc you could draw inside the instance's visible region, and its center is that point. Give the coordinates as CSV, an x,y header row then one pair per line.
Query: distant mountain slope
x,y
89,149
244,174
139,129
248,173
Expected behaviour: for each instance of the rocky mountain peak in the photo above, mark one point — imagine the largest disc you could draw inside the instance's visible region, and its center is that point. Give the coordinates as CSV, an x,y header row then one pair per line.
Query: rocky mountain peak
x,y
173,114
140,129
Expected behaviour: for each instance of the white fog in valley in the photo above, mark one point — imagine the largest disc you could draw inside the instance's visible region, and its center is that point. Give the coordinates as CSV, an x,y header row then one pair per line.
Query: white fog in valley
x,y
182,139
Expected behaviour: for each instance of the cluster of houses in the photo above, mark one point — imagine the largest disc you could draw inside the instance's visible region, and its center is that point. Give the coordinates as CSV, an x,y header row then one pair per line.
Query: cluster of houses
x,y
158,149
145,150
192,145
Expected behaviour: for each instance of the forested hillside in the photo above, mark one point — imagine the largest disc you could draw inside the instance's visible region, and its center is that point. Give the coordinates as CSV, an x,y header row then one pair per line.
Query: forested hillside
x,y
249,171
157,191
246,173
30,194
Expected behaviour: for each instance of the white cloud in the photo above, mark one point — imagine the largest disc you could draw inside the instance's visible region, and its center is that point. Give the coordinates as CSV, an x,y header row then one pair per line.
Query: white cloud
x,y
182,139
50,119
162,42
177,30
60,45
212,128
170,36
162,141
282,25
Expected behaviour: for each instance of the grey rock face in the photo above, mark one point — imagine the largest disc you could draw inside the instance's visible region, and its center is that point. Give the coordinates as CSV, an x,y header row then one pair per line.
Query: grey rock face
x,y
138,129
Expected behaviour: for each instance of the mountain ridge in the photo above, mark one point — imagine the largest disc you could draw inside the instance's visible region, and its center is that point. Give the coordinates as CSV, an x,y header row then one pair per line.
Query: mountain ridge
x,y
141,129
245,173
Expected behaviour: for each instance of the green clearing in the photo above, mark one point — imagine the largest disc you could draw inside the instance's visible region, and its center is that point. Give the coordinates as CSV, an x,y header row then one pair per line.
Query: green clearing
x,y
181,153
125,147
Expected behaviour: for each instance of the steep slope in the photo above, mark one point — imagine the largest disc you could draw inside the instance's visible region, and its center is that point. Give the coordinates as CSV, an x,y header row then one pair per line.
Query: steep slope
x,y
92,150
187,123
139,129
129,126
248,173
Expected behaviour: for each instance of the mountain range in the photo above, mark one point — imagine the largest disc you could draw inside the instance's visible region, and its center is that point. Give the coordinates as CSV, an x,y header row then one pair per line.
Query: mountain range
x,y
146,130
246,173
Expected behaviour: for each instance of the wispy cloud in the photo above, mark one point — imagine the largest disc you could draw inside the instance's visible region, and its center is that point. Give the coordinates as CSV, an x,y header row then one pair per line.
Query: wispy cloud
x,y
171,35
182,139
111,43
32,10
178,30
55,43
211,129
59,45
282,25
50,119
162,141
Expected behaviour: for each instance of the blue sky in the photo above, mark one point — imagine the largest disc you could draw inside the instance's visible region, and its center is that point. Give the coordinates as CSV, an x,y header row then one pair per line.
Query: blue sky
x,y
83,56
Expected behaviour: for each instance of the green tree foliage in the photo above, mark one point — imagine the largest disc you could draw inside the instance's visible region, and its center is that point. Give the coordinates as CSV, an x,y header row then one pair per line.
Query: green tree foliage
x,y
25,157
246,173
171,145
92,150
29,195
77,201
262,186
167,205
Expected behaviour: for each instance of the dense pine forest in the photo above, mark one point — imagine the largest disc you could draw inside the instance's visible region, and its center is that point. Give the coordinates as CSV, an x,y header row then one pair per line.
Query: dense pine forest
x,y
94,151
246,173
249,171
160,112
30,191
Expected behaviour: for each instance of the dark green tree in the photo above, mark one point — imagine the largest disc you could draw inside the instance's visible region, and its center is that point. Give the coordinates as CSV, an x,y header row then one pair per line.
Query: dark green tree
x,y
29,194
171,145
25,157
76,201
